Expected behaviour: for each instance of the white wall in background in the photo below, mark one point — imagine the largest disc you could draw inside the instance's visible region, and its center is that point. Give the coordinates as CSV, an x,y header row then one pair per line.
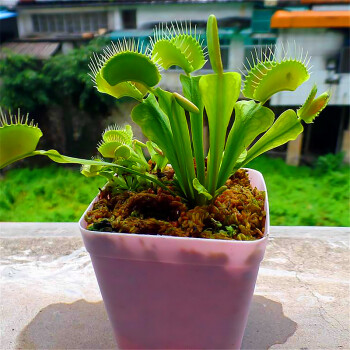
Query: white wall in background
x,y
8,3
181,12
236,55
24,24
114,19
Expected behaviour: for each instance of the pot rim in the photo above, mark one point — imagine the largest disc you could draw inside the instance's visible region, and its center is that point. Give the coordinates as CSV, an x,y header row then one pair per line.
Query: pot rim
x,y
82,225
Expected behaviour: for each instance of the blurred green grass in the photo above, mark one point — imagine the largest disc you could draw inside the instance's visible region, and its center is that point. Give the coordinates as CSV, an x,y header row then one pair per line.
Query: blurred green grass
x,y
298,196
303,196
53,194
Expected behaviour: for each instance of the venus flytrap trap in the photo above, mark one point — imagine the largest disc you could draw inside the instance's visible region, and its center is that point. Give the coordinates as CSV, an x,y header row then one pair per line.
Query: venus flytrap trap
x,y
269,75
19,138
200,180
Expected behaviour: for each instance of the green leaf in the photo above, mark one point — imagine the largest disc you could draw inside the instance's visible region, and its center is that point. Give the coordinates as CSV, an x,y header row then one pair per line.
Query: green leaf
x,y
242,156
181,133
138,143
155,126
269,77
92,170
123,151
130,66
192,49
161,161
165,100
219,94
286,128
158,158
167,54
59,158
122,89
201,189
313,107
254,76
107,149
191,91
220,190
214,45
182,142
120,181
106,174
251,119
180,49
185,103
17,141
150,147
115,133
137,147
308,101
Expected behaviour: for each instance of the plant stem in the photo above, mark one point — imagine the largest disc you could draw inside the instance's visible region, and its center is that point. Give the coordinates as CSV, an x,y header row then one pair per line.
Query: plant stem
x,y
217,142
58,158
181,135
191,91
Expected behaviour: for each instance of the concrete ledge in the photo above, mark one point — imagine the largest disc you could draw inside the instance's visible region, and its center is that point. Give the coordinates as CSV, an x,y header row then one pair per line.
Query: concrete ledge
x,y
50,298
71,229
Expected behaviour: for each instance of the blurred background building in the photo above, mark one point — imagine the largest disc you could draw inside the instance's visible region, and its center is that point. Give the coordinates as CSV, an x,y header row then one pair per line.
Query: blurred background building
x,y
43,28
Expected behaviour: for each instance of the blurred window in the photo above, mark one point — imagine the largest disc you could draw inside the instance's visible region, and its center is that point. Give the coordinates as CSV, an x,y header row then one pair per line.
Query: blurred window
x,y
70,22
43,25
129,19
51,24
60,23
36,25
85,22
69,19
344,60
102,20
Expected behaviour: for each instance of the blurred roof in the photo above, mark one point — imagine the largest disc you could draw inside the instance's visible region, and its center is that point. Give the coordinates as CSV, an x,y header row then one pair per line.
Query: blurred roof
x,y
24,3
40,50
131,33
311,19
325,1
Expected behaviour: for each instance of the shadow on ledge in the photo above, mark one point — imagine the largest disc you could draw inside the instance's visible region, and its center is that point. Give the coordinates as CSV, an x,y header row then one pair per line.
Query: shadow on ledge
x,y
84,325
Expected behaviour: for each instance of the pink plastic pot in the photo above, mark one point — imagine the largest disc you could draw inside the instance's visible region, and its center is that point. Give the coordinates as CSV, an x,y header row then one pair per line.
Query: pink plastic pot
x,y
176,293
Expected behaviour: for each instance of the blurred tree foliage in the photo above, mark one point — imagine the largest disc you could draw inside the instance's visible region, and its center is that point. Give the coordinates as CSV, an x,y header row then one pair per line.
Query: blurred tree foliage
x,y
69,77
23,83
59,94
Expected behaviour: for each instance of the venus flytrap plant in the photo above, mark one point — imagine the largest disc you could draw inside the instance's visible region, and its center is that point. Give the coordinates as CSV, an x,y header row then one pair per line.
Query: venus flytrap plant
x,y
126,69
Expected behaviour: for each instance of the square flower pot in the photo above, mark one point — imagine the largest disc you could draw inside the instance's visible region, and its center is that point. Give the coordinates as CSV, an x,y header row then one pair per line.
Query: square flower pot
x,y
164,292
